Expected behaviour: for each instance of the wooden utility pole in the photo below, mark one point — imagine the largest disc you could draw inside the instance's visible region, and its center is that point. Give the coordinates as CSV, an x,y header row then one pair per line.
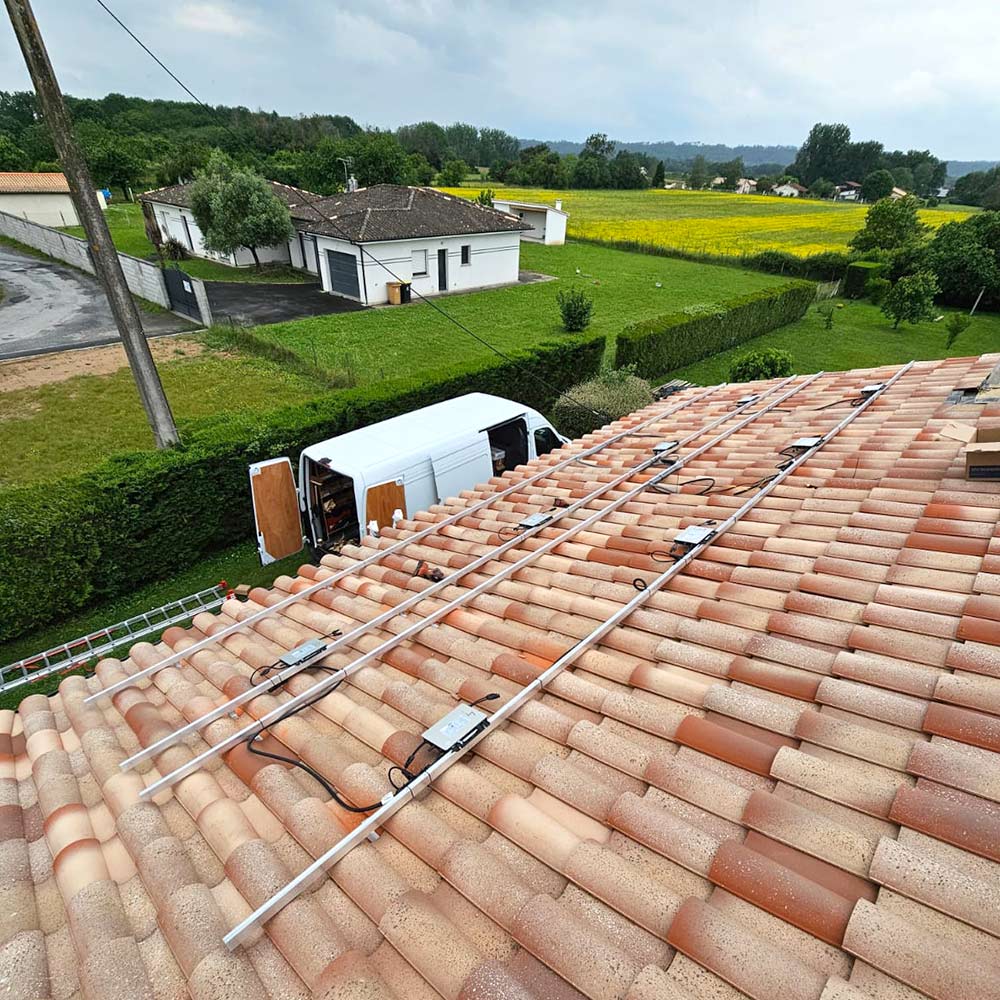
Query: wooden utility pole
x,y
102,249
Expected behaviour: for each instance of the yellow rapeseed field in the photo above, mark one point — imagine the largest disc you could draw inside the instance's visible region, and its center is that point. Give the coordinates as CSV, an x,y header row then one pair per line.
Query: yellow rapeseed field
x,y
711,222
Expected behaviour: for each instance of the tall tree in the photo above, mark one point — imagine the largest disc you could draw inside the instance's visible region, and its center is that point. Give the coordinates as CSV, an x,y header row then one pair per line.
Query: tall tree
x,y
496,146
659,175
698,175
911,299
236,208
878,184
12,157
462,143
598,144
426,138
889,225
823,154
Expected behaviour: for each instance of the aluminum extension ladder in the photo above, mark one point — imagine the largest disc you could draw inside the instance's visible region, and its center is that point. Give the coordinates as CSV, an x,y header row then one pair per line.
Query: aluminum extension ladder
x,y
98,644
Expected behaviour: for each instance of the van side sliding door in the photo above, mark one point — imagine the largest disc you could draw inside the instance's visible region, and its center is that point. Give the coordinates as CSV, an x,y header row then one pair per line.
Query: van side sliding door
x,y
275,510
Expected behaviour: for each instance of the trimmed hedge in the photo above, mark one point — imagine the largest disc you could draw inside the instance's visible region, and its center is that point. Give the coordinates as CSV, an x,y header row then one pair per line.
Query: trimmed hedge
x,y
858,275
144,516
658,346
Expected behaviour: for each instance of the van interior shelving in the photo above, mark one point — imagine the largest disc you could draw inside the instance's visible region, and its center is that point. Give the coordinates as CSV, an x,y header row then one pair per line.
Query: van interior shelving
x,y
333,505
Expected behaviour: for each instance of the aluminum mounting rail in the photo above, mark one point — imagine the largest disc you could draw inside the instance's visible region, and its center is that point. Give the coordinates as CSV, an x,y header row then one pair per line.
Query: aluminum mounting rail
x,y
375,557
394,801
333,679
277,678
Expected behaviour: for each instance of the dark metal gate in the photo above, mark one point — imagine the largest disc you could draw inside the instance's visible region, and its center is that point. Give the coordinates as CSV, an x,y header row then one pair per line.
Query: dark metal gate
x,y
180,288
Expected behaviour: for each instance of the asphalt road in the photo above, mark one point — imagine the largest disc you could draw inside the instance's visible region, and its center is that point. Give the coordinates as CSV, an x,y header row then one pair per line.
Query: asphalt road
x,y
53,307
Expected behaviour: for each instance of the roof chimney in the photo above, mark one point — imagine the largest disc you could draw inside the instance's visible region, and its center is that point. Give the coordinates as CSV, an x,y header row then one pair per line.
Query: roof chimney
x,y
558,204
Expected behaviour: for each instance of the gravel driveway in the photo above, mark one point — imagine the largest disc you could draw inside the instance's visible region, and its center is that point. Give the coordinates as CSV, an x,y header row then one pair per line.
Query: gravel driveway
x,y
53,307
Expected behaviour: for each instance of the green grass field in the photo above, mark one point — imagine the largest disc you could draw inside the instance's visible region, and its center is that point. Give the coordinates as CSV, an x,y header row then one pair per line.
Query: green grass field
x,y
861,338
129,234
415,339
66,427
710,222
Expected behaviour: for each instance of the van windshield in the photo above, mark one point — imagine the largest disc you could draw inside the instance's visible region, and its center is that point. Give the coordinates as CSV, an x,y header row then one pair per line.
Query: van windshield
x,y
333,510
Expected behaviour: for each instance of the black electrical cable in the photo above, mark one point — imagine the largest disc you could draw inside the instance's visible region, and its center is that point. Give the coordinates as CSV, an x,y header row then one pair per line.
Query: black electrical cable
x,y
311,202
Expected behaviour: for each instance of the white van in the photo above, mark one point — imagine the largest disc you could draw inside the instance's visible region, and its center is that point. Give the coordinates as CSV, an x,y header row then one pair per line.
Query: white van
x,y
406,464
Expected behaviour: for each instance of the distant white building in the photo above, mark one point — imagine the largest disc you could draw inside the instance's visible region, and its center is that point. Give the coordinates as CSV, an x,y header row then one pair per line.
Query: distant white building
x,y
789,190
897,192
746,185
674,185
41,198
848,191
547,222
434,241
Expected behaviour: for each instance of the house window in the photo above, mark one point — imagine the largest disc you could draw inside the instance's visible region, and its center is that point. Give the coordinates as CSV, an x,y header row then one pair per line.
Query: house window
x,y
466,255
419,263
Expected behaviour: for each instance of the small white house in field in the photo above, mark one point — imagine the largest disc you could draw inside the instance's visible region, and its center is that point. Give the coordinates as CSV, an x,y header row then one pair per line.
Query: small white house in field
x,y
848,191
547,222
746,185
359,242
41,198
789,190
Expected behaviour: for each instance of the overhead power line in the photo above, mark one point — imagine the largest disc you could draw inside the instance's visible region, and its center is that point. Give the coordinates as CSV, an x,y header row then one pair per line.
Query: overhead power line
x,y
313,204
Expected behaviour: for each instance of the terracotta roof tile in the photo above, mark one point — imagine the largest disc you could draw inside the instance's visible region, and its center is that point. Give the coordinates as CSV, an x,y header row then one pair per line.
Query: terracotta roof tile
x,y
806,717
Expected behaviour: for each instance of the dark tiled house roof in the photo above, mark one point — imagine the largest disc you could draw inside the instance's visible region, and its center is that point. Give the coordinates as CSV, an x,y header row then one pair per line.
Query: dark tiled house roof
x,y
779,779
180,195
377,213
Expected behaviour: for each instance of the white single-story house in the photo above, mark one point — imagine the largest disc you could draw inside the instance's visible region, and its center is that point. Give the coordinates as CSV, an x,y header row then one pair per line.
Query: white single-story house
x,y
897,192
746,185
548,223
942,192
674,185
41,198
789,190
360,241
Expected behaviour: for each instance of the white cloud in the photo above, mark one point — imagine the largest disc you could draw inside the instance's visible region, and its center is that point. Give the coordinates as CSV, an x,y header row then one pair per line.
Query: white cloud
x,y
912,73
214,18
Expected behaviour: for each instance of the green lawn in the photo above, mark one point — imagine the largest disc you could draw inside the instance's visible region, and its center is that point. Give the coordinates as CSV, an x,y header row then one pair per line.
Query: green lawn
x,y
129,234
861,338
414,339
236,565
66,427
712,222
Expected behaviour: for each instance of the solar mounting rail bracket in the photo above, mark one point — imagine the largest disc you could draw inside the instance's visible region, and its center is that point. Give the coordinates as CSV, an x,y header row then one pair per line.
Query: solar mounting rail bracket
x,y
247,927
409,631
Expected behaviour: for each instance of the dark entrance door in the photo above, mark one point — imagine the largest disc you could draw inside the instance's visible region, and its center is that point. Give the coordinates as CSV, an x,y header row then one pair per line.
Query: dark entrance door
x,y
181,292
343,273
442,270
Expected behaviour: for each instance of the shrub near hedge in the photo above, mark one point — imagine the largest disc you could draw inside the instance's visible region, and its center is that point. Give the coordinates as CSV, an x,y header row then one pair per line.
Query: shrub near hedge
x,y
145,516
657,346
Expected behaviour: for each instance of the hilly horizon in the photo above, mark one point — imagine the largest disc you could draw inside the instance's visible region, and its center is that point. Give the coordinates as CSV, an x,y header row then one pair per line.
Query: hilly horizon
x,y
753,155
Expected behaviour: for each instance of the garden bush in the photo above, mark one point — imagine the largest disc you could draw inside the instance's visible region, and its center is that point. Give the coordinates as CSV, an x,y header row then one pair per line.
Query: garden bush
x,y
858,274
613,394
876,289
576,308
658,346
142,517
768,362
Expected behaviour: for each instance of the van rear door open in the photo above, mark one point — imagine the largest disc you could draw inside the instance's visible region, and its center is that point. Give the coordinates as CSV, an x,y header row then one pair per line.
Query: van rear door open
x,y
275,509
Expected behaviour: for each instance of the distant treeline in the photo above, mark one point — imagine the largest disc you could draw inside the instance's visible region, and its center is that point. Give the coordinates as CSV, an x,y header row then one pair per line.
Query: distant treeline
x,y
131,142
677,156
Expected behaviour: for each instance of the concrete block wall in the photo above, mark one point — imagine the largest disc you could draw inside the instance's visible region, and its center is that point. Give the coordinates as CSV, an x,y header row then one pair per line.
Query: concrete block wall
x,y
144,279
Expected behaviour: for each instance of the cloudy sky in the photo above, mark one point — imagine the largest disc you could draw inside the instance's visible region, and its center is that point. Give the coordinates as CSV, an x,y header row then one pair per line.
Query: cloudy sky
x,y
920,73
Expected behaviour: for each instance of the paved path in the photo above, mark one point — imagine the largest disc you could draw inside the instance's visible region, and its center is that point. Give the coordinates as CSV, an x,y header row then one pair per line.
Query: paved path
x,y
272,302
53,307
